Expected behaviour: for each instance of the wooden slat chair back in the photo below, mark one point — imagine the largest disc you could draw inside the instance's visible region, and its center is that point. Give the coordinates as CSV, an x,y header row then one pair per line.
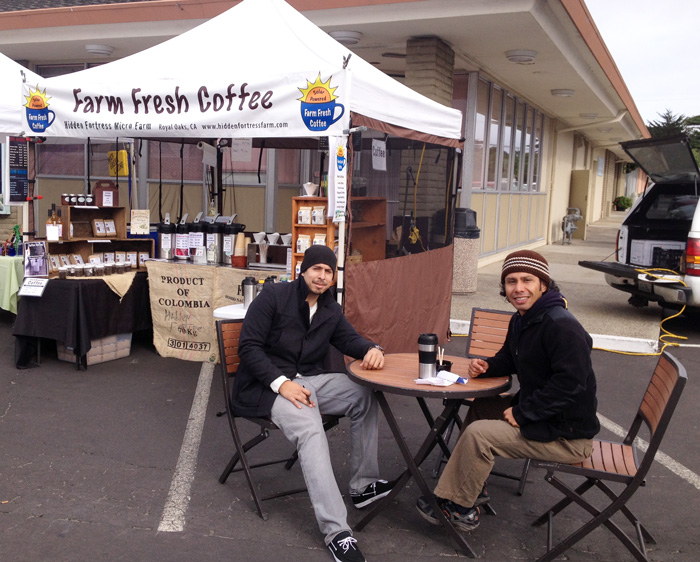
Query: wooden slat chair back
x,y
618,462
487,332
228,334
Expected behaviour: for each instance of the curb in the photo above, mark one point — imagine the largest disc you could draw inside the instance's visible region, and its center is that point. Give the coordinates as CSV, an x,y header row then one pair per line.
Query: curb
x,y
602,342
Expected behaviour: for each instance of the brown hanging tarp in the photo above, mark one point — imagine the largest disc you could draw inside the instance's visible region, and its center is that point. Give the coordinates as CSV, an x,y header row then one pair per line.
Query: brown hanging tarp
x,y
378,295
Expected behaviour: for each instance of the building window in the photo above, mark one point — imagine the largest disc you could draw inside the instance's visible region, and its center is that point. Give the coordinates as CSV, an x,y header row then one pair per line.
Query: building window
x,y
494,138
482,107
507,145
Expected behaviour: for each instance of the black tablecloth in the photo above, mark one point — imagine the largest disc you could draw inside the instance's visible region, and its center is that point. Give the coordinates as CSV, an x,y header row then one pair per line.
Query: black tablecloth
x,y
76,311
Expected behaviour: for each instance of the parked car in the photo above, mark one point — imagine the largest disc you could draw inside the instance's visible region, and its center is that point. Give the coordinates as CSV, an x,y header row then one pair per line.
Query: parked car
x,y
658,246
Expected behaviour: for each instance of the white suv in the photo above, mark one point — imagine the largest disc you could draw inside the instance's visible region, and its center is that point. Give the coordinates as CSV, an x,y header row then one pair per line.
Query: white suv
x,y
658,246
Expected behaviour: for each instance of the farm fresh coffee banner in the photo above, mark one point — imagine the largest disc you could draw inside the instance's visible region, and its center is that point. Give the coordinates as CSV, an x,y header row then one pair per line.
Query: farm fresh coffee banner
x,y
303,104
183,300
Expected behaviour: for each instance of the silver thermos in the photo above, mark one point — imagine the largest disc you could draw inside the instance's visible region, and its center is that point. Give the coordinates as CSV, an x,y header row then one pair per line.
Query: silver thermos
x,y
249,290
427,355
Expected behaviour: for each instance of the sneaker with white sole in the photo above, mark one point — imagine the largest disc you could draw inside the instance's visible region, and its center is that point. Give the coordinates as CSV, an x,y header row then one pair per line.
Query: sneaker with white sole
x,y
344,548
375,491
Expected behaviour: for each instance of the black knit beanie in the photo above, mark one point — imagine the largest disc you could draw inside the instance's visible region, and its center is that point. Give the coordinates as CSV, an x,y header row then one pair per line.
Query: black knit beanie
x,y
526,261
318,253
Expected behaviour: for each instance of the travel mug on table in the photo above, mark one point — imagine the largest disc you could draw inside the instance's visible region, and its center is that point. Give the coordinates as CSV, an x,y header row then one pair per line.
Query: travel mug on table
x,y
427,355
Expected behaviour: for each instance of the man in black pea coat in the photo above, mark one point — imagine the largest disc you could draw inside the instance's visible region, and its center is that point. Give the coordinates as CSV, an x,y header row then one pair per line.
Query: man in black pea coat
x,y
553,415
286,335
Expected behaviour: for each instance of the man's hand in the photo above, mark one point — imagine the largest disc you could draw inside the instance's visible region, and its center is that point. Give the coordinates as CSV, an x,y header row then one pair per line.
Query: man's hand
x,y
508,416
477,367
296,394
373,359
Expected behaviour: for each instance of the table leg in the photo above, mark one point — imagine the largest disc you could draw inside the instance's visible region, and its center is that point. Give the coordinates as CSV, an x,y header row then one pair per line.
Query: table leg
x,y
431,422
412,464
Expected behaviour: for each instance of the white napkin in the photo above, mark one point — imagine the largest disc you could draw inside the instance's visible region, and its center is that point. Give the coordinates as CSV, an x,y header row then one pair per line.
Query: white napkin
x,y
434,381
452,377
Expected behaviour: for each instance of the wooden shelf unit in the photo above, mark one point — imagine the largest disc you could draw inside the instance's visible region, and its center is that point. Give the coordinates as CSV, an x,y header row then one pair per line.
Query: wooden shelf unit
x,y
82,218
368,227
311,229
83,241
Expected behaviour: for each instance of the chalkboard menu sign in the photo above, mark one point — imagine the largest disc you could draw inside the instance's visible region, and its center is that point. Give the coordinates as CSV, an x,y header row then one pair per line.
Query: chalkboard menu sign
x,y
18,156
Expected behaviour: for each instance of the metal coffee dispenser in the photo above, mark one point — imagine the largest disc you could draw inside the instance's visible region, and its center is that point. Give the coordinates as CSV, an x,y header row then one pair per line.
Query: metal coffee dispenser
x,y
166,239
198,231
231,230
215,242
182,239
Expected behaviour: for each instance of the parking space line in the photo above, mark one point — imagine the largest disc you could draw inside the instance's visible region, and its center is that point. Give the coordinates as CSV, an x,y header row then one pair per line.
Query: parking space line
x,y
662,458
173,518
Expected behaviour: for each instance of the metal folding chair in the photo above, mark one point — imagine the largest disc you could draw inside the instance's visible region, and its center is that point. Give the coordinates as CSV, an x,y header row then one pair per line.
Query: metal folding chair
x,y
228,334
618,463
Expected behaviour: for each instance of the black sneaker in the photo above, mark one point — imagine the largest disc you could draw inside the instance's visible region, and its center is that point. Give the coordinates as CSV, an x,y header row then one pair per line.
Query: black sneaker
x,y
372,493
343,547
463,518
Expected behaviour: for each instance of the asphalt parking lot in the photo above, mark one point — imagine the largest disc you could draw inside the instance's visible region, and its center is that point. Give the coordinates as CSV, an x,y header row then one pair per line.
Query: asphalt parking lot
x,y
89,457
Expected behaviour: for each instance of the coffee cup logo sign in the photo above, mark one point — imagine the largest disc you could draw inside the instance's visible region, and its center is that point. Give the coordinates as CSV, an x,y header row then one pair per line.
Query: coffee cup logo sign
x,y
39,116
319,108
340,158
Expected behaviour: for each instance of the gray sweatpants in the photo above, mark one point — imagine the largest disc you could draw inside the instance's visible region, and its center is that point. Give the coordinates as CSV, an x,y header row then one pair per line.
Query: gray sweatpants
x,y
334,394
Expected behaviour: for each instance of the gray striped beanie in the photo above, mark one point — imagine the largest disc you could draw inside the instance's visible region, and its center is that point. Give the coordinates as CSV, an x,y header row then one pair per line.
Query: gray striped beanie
x,y
526,261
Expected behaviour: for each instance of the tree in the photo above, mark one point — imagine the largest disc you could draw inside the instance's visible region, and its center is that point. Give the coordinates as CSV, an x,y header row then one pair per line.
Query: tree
x,y
671,124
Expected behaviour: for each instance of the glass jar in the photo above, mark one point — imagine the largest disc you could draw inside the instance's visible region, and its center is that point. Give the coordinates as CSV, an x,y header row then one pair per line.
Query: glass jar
x,y
89,270
119,268
62,272
65,199
89,200
99,269
81,200
109,268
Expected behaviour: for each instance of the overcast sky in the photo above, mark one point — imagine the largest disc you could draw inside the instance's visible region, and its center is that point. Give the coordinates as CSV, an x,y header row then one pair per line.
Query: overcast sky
x,y
655,44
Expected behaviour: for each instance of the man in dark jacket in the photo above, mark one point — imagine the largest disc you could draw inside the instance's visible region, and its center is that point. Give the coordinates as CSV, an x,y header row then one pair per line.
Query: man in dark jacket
x,y
553,415
286,335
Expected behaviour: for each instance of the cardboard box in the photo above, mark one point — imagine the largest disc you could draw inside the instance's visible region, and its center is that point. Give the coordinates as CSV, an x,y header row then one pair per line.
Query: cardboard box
x,y
105,349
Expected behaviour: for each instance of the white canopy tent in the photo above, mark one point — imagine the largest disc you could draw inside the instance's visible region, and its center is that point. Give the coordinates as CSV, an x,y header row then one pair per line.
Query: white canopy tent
x,y
281,77
278,76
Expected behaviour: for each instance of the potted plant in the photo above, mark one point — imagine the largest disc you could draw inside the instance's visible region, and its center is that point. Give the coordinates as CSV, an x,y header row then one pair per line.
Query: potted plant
x,y
622,203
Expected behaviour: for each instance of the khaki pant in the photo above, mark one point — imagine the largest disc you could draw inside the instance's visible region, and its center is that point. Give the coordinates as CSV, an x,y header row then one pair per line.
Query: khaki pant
x,y
484,440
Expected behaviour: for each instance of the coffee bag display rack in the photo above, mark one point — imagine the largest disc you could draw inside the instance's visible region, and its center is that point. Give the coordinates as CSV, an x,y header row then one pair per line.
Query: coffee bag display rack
x,y
368,240
84,241
309,224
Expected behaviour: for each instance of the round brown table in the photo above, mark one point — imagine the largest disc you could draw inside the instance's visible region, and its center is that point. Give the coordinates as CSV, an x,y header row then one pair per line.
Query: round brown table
x,y
398,377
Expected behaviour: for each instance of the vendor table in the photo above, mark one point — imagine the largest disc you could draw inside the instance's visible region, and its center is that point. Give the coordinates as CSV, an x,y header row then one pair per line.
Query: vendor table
x,y
11,276
397,377
77,311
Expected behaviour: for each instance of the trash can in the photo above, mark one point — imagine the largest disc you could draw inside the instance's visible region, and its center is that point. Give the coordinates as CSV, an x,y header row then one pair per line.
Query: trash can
x,y
466,252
